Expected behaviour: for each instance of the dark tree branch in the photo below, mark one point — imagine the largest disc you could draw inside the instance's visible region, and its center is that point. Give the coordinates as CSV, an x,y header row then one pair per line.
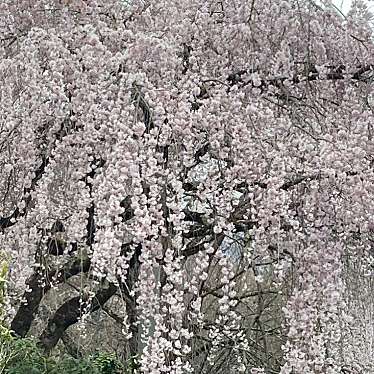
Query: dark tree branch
x,y
128,211
38,284
127,288
187,49
139,101
97,163
194,248
10,220
312,74
68,314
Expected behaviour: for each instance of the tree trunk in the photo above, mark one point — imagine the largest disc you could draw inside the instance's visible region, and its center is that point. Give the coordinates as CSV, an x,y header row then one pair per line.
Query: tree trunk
x,y
26,312
68,314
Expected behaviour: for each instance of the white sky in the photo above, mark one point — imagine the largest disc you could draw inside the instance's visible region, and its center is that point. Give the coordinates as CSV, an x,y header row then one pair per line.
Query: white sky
x,y
343,5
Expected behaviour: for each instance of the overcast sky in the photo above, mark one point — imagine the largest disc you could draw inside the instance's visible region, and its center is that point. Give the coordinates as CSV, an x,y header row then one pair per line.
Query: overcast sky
x,y
343,5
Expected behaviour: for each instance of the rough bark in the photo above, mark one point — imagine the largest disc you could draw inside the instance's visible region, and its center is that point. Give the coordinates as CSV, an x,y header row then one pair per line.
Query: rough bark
x,y
38,285
131,279
68,314
71,346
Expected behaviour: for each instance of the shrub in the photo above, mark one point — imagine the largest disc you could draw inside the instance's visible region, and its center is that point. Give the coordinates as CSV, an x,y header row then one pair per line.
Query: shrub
x,y
20,356
23,356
